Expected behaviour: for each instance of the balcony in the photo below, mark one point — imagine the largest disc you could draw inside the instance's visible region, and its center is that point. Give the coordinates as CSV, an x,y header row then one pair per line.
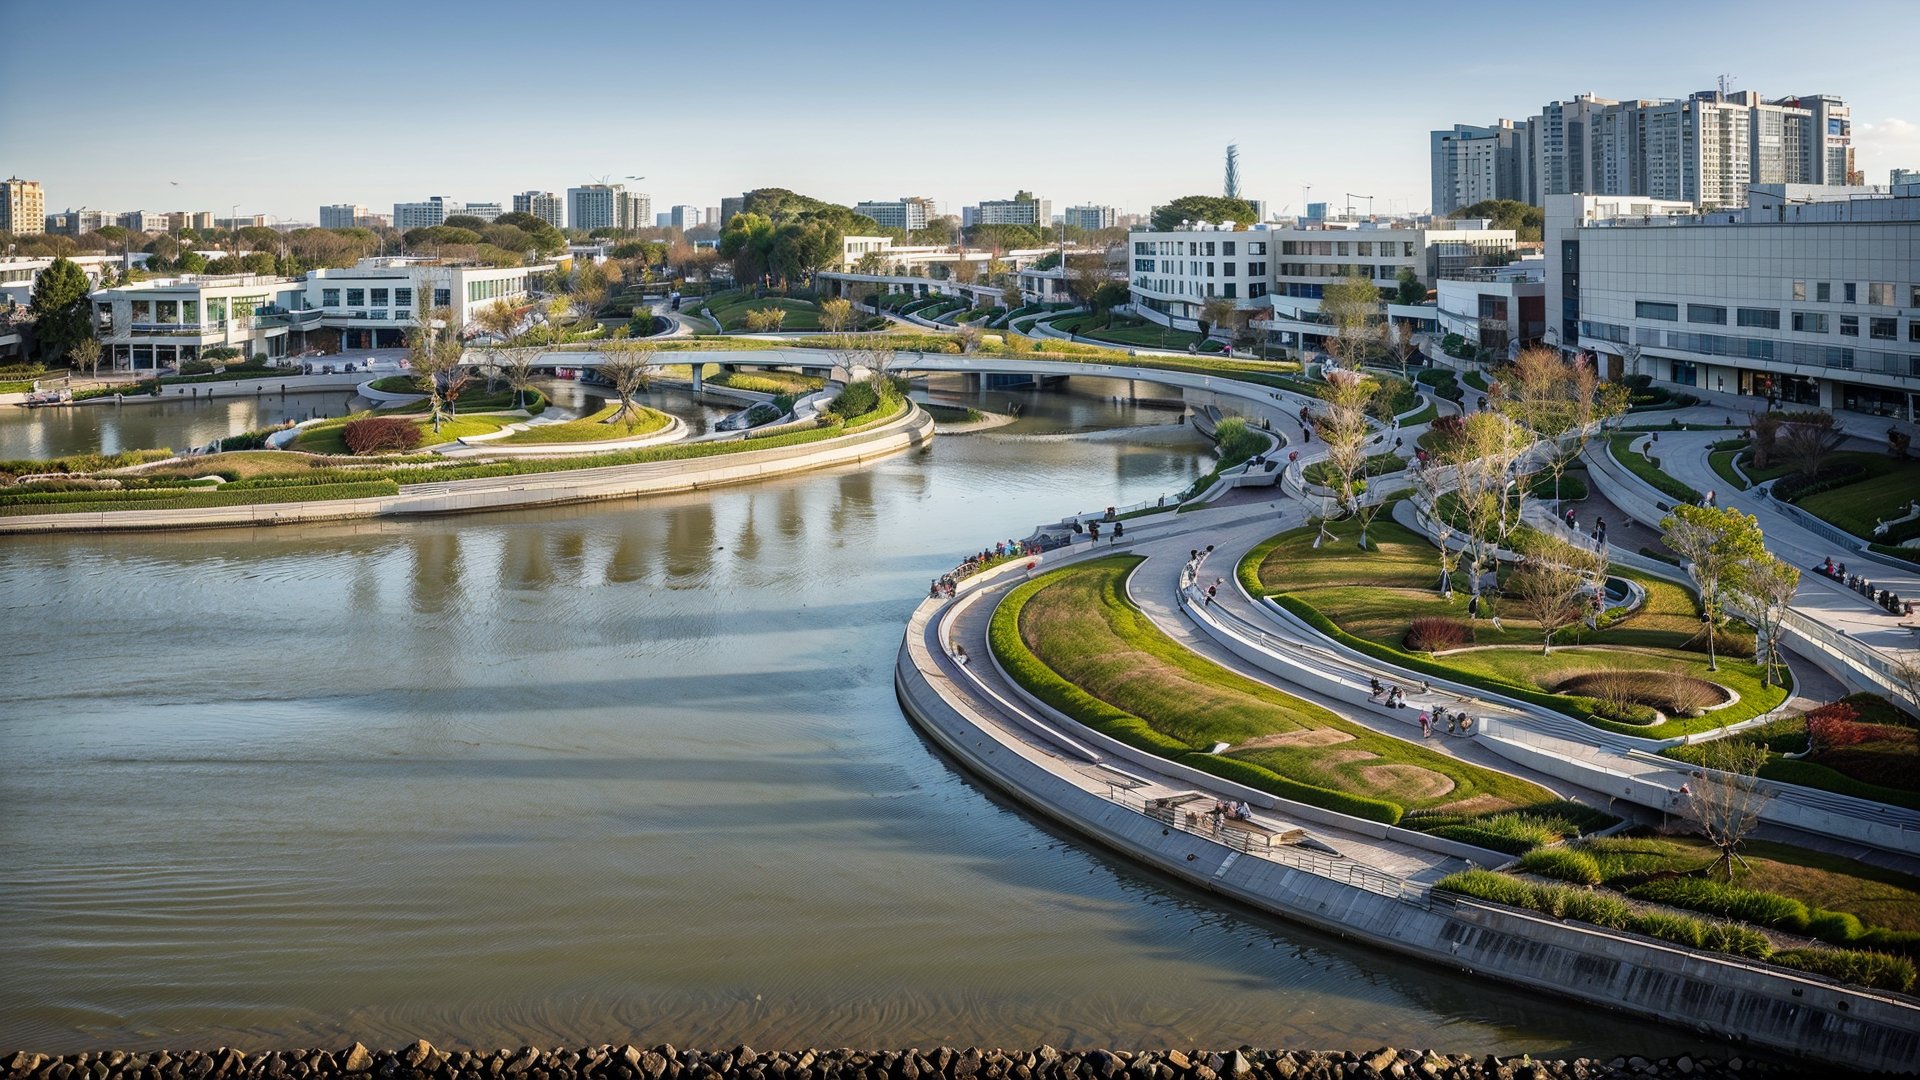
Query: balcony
x,y
174,329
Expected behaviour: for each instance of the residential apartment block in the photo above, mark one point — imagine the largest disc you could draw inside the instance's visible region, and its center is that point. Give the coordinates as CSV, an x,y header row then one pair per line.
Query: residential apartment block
x,y
424,215
908,212
160,322
544,205
1089,217
1704,149
341,215
1022,209
23,207
1809,295
485,211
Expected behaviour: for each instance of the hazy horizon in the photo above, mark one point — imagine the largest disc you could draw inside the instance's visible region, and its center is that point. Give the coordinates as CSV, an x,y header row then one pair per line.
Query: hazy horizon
x,y
1111,104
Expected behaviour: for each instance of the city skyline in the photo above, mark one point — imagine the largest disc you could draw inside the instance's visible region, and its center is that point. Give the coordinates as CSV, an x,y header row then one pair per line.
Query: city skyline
x,y
1368,138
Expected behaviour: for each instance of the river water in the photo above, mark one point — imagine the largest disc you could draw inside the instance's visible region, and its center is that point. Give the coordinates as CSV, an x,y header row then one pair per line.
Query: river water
x,y
631,772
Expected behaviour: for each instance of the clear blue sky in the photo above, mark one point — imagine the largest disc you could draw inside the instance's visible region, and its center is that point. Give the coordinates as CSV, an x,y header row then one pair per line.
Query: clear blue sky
x,y
281,107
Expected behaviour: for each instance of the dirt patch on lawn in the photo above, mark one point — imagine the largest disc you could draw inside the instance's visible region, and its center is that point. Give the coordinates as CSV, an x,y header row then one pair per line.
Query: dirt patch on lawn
x,y
1407,783
1302,737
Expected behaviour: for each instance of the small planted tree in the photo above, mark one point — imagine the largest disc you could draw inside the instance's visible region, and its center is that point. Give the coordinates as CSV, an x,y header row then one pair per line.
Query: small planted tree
x,y
1551,585
1724,802
1716,543
629,365
1348,306
1765,588
434,351
836,314
85,354
1342,425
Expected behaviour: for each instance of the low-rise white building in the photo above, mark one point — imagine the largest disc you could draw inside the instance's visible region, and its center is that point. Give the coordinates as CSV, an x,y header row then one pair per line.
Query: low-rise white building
x,y
1500,309
1810,295
159,323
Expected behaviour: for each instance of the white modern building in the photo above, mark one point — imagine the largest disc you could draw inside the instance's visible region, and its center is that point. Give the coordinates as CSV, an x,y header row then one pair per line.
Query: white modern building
x,y
1278,273
1705,149
1495,309
684,217
485,211
908,212
1089,218
76,222
1809,295
161,322
608,206
422,215
544,205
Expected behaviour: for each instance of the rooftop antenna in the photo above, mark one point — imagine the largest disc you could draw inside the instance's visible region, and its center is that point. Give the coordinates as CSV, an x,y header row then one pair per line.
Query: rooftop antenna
x,y
1351,196
1726,84
1233,171
1306,198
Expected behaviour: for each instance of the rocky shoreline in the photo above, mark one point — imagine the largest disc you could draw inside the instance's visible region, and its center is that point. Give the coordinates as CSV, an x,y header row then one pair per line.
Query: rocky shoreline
x,y
421,1061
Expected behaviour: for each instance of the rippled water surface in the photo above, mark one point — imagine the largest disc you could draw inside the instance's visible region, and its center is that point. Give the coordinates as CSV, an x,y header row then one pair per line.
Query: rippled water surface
x,y
633,771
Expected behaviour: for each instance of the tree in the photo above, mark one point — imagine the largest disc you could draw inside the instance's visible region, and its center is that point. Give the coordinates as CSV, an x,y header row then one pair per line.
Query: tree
x,y
60,309
1552,584
1808,439
434,351
1411,292
1348,305
1219,313
85,353
1217,209
1725,798
1085,275
1010,296
1402,345
629,365
516,366
1525,220
765,320
1483,460
500,319
1630,358
1764,587
1342,426
1717,543
836,314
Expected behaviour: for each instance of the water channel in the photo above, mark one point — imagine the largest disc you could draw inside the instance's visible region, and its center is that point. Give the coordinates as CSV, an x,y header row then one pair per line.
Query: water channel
x,y
629,771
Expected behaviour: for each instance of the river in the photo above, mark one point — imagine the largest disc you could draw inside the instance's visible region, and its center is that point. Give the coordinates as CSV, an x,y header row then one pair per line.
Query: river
x,y
630,771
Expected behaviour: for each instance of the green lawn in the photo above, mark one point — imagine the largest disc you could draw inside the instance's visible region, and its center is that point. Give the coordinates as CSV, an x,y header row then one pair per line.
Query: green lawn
x,y
330,438
1320,472
1883,767
190,498
596,427
768,381
1721,461
1619,446
1883,492
1369,600
1072,638
732,308
1136,332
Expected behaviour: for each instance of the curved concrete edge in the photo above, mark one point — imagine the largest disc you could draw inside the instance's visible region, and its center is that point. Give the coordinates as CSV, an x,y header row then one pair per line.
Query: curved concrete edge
x,y
913,429
490,444
385,397
1784,1011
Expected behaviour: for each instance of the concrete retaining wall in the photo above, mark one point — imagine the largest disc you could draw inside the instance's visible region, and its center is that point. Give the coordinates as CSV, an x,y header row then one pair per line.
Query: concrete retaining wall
x,y
1791,1013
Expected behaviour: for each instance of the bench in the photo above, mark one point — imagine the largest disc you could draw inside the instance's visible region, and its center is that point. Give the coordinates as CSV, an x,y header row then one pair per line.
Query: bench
x,y
1258,835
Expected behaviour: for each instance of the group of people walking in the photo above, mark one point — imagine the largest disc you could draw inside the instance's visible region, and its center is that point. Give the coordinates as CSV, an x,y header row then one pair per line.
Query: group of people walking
x,y
1885,598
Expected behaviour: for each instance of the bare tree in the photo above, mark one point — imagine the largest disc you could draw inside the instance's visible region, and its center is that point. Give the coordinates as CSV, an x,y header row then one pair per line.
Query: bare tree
x,y
498,319
516,366
1342,426
1725,798
1717,543
434,351
1551,585
1809,439
1432,481
1401,344
85,353
1630,357
629,365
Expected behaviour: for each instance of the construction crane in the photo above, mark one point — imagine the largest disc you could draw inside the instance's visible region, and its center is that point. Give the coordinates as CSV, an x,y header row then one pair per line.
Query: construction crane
x,y
1351,196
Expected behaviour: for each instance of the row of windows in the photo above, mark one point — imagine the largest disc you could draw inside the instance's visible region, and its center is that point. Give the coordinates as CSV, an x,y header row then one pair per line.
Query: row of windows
x,y
1386,248
1747,348
1226,289
365,297
1333,270
1879,327
494,288
1197,269
1882,293
1195,247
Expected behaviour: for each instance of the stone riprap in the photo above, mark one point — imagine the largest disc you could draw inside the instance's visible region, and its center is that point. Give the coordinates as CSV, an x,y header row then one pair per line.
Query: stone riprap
x,y
422,1061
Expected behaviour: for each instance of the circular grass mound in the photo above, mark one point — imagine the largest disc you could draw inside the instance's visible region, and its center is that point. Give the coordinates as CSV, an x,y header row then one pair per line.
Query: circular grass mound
x,y
1670,693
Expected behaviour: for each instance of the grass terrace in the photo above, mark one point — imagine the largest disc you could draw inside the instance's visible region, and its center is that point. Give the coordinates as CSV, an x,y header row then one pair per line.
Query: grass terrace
x,y
768,381
1140,333
1073,639
732,307
1877,757
1648,469
1643,674
596,427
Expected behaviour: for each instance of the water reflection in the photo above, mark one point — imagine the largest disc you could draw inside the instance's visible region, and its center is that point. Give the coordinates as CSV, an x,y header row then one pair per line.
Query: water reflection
x,y
626,769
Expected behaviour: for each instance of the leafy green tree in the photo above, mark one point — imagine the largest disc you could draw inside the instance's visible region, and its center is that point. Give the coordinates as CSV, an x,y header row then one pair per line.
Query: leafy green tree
x,y
465,221
1716,543
192,262
1412,292
746,243
60,309
1526,221
1213,208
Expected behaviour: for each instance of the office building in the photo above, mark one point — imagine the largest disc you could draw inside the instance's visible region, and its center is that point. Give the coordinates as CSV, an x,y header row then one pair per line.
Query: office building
x,y
423,215
711,217
242,222
23,207
485,211
1498,309
142,221
1022,209
1089,218
593,206
729,206
76,222
684,217
636,209
1810,295
908,212
1901,180
341,215
1317,211
544,205
1705,148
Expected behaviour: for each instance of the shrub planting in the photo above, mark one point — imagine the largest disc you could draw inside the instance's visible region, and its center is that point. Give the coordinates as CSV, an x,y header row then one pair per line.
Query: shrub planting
x,y
1434,633
1728,901
1567,864
1873,969
380,434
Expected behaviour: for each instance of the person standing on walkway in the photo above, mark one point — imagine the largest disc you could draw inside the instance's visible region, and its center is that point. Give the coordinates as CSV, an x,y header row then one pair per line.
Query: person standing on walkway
x,y
1119,530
